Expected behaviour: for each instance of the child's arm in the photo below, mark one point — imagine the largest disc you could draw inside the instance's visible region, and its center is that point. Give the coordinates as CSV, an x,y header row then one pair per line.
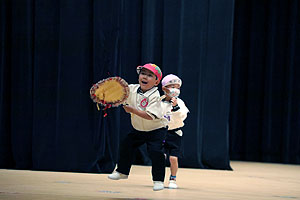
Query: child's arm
x,y
137,112
180,110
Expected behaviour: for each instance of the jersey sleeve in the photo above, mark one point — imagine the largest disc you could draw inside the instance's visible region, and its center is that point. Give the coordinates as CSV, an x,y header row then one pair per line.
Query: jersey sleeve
x,y
182,111
132,88
154,108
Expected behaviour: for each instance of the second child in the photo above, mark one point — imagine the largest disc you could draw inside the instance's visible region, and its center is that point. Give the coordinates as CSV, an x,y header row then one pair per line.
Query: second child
x,y
177,114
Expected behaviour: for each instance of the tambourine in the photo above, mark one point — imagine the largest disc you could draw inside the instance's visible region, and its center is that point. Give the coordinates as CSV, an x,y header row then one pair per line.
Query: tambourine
x,y
110,92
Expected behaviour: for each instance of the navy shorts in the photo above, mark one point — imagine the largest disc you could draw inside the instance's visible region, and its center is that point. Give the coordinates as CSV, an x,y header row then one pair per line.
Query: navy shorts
x,y
173,144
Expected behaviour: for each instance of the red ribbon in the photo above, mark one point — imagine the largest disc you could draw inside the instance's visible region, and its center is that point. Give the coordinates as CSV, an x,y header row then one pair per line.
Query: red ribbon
x,y
107,106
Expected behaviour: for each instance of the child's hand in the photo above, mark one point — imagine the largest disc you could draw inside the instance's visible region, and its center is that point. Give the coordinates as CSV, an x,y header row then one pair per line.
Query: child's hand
x,y
166,90
128,109
174,101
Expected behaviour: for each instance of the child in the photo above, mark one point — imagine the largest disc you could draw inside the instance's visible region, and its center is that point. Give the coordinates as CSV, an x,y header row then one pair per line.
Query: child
x,y
171,86
149,126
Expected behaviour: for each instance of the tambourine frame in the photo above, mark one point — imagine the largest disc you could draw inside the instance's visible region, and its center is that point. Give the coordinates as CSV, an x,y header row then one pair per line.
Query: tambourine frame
x,y
96,86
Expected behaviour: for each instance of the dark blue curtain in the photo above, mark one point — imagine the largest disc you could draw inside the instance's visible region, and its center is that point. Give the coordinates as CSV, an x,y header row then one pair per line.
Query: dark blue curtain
x,y
265,92
53,51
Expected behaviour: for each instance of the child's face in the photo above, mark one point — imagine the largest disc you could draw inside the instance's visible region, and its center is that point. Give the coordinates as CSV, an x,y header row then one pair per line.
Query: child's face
x,y
147,79
169,92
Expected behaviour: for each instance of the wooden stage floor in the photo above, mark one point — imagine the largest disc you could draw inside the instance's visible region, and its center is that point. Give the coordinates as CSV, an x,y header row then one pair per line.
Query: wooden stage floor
x,y
248,180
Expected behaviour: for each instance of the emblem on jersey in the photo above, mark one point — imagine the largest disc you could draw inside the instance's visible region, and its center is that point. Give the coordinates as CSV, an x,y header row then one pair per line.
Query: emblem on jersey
x,y
167,117
144,103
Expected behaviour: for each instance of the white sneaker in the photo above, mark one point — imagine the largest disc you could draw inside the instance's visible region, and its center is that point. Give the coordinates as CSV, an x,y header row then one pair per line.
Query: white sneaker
x,y
158,185
117,176
172,184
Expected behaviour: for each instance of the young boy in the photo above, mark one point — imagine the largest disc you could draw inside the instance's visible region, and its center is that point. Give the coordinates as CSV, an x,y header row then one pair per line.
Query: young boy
x,y
177,114
149,126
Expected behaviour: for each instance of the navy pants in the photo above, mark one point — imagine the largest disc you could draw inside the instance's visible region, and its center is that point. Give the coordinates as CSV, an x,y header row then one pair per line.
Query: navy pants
x,y
154,140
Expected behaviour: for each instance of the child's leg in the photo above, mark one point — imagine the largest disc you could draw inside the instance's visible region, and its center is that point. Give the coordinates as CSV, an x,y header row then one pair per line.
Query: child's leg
x,y
173,146
173,165
127,151
174,169
155,148
173,142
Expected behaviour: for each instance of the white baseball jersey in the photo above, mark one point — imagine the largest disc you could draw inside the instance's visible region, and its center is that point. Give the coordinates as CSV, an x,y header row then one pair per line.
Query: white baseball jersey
x,y
149,102
176,118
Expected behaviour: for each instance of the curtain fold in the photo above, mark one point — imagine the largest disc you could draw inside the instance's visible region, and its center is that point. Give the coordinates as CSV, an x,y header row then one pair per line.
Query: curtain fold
x,y
6,155
264,118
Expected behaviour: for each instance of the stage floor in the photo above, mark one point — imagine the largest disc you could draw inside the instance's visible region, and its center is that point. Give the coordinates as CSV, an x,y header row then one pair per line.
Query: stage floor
x,y
248,180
